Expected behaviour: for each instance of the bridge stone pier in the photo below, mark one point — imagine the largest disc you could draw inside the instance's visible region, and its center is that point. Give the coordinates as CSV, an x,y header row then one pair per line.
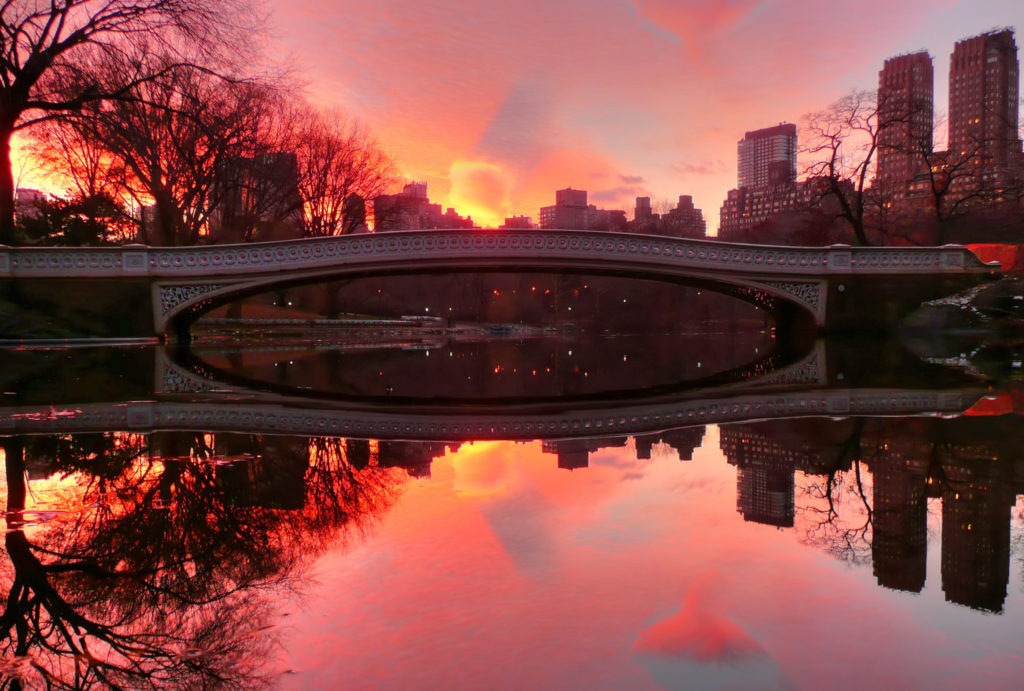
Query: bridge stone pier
x,y
136,291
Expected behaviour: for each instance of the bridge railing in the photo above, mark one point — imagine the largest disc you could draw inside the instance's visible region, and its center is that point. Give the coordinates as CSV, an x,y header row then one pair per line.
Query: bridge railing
x,y
460,244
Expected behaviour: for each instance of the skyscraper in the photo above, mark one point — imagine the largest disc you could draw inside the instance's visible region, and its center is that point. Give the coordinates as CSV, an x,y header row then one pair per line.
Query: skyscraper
x,y
983,100
767,156
905,112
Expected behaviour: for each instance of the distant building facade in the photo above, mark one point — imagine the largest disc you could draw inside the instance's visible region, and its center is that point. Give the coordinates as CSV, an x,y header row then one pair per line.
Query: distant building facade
x,y
767,183
572,212
984,99
27,201
767,156
257,200
905,116
411,209
746,208
524,222
685,220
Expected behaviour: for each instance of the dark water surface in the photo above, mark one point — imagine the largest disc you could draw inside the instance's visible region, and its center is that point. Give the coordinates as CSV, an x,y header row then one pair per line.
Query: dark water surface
x,y
152,538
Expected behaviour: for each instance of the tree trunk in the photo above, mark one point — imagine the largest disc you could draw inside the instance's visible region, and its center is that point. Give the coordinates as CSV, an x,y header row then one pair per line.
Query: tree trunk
x,y
17,492
862,238
6,188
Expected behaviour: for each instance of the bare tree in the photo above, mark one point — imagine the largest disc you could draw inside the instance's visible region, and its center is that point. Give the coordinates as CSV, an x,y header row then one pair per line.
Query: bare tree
x,y
172,143
225,157
44,39
339,163
843,143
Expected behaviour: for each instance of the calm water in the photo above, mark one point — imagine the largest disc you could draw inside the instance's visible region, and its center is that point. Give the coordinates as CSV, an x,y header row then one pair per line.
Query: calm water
x,y
186,517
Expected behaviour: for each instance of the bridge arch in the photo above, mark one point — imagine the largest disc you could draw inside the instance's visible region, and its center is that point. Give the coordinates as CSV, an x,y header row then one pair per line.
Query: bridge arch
x,y
809,280
791,305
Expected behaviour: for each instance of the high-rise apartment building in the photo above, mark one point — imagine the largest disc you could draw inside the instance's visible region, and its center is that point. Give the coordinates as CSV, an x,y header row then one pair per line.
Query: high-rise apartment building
x,y
568,212
899,544
984,100
905,114
767,156
571,212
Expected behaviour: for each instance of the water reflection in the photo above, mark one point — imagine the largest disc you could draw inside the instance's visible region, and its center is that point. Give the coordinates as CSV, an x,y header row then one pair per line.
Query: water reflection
x,y
169,556
158,560
885,472
514,369
185,554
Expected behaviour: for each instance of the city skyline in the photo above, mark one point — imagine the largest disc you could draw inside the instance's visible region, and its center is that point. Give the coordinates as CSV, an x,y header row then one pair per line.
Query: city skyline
x,y
544,118
622,117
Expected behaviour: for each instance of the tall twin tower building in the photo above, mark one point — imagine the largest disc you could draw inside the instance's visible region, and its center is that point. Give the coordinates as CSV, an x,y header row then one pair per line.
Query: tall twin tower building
x,y
982,159
983,141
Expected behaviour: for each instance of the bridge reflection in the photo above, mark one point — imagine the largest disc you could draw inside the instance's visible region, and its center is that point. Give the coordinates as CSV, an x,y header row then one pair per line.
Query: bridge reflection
x,y
831,381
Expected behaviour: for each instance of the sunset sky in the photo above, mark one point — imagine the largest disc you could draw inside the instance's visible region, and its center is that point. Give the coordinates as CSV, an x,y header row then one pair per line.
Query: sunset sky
x,y
496,105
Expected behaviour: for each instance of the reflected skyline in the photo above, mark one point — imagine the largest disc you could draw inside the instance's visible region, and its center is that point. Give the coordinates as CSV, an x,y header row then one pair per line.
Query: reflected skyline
x,y
640,540
277,483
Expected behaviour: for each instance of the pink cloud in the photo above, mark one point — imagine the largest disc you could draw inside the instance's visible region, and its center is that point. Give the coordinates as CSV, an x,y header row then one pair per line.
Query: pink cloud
x,y
461,81
695,632
695,22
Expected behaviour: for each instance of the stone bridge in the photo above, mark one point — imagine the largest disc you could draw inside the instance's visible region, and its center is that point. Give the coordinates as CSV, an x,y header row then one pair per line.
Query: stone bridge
x,y
136,291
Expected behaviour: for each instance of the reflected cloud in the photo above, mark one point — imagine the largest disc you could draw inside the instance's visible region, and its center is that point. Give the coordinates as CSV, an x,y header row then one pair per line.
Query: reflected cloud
x,y
697,633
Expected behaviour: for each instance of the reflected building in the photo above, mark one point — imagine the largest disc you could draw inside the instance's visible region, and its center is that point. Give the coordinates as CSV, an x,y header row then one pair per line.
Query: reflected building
x,y
575,453
683,441
765,476
412,456
976,506
357,453
271,475
899,542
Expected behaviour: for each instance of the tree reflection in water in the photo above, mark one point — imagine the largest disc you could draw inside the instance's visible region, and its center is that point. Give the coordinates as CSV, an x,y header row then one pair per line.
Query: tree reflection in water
x,y
164,566
846,535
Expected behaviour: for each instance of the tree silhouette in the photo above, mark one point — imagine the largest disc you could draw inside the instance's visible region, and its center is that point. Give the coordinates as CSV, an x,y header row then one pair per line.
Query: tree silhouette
x,y
46,41
157,573
170,143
